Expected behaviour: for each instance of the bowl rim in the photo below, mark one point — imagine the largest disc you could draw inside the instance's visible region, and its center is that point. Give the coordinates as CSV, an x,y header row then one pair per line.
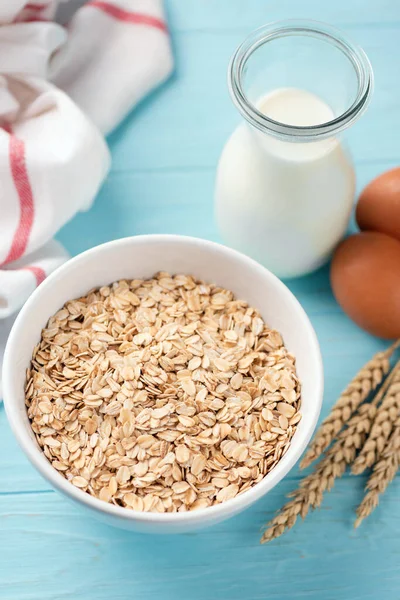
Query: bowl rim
x,y
60,483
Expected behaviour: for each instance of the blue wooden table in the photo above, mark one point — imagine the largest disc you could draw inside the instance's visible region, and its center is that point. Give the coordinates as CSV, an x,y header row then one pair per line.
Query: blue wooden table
x,y
164,158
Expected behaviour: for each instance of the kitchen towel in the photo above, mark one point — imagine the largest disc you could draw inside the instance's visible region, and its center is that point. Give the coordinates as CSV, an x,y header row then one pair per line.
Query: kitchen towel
x,y
61,90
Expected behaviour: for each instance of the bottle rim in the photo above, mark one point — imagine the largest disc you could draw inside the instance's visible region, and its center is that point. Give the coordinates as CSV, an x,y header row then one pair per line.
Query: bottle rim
x,y
317,30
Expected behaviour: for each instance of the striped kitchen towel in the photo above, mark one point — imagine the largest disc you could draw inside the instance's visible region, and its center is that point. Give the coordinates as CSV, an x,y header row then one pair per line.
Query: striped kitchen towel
x,y
61,90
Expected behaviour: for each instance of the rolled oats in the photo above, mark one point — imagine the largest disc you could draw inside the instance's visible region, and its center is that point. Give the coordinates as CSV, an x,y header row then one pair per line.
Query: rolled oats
x,y
162,395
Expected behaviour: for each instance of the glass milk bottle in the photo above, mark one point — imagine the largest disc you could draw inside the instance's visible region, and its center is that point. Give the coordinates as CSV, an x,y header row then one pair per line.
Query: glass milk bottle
x,y
285,183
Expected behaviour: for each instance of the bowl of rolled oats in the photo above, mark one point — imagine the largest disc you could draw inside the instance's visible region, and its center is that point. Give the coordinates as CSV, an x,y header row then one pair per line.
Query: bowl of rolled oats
x,y
164,383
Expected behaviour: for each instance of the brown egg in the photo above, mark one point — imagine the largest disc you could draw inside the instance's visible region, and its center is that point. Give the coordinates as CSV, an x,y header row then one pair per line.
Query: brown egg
x,y
365,278
378,207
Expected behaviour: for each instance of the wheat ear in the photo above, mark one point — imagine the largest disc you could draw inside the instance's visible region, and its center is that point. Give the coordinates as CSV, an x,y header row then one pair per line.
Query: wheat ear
x,y
383,473
366,380
387,414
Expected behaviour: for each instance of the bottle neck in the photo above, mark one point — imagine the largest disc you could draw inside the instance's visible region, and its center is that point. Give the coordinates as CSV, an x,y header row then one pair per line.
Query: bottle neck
x,y
290,112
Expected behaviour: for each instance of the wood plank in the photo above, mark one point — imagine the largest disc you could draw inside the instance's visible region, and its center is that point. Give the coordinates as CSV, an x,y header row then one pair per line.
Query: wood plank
x,y
52,551
225,15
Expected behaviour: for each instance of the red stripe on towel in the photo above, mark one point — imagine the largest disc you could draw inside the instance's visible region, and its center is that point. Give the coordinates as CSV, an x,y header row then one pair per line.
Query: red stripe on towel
x,y
22,184
39,274
128,17
36,6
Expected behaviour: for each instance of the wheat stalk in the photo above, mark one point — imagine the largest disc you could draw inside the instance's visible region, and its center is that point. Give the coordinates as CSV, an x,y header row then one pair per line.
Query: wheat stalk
x,y
308,495
382,427
383,473
311,489
366,380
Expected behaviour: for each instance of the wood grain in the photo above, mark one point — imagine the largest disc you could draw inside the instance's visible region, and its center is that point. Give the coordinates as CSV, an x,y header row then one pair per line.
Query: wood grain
x,y
164,158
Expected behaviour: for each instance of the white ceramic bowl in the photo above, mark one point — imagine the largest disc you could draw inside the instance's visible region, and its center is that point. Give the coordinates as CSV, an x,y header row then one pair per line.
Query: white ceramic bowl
x,y
142,257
